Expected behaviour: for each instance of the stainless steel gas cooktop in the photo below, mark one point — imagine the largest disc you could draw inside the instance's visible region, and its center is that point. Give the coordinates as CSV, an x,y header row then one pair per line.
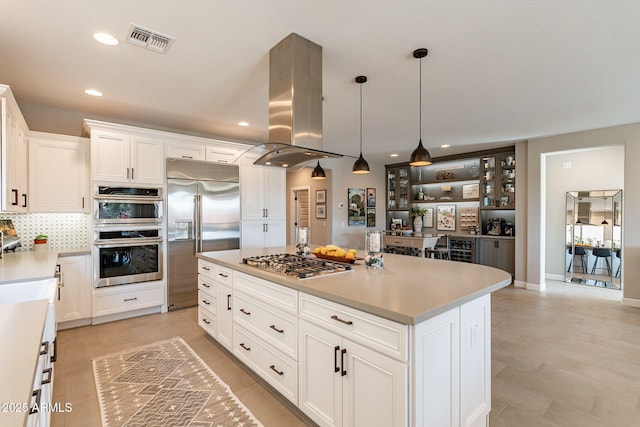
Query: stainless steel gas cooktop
x,y
297,265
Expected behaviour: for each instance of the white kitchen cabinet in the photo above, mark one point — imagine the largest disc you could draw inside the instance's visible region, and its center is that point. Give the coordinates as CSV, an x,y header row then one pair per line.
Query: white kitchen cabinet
x,y
215,301
73,303
343,383
224,316
14,195
123,154
58,173
263,193
209,150
185,149
263,234
119,302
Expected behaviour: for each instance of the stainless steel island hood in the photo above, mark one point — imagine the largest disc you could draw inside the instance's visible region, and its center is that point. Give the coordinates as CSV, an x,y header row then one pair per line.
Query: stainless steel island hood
x,y
295,106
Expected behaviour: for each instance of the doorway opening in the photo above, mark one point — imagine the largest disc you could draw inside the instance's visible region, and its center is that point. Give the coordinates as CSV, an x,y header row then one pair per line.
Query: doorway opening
x,y
300,205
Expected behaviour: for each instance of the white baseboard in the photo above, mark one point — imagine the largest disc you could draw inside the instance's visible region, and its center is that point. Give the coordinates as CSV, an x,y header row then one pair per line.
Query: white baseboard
x,y
125,315
529,286
558,277
73,323
631,302
520,284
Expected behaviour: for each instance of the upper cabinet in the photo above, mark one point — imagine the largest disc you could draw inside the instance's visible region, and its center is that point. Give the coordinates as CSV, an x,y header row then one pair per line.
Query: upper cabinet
x,y
398,187
58,173
209,150
123,154
263,193
13,155
498,181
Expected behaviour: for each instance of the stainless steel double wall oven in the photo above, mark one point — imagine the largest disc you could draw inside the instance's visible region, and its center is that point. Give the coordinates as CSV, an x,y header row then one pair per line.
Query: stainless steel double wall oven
x,y
127,235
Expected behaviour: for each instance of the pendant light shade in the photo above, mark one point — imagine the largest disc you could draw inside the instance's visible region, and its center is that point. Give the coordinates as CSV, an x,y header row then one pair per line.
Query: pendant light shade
x,y
361,166
420,156
318,172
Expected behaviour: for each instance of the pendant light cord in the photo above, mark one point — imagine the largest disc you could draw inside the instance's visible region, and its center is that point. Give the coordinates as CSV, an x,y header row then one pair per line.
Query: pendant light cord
x,y
420,96
361,119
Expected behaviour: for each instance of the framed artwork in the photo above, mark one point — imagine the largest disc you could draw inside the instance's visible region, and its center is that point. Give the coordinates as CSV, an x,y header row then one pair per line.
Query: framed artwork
x,y
321,196
427,218
371,217
321,211
356,203
396,223
371,197
470,191
446,217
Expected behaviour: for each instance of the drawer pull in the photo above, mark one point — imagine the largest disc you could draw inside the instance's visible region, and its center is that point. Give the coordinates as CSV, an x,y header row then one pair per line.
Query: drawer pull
x,y
346,322
205,285
130,299
245,347
36,406
280,331
54,356
44,348
243,311
205,268
206,302
49,373
206,321
223,275
273,368
342,353
228,302
335,358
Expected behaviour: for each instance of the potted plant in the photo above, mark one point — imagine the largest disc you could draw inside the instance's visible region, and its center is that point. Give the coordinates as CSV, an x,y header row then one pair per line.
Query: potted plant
x,y
417,213
40,241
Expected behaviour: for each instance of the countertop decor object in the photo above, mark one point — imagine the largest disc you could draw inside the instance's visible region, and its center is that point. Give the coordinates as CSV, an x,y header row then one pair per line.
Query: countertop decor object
x,y
361,166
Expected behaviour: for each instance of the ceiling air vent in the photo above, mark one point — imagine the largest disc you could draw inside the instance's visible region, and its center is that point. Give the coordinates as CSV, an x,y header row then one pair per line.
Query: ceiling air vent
x,y
149,39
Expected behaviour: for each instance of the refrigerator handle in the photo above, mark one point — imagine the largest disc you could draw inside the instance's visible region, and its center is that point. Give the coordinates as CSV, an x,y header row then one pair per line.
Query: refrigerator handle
x,y
197,219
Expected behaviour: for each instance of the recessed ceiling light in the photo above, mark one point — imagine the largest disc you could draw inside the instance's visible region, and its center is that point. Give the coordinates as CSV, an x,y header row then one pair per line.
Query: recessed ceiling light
x,y
105,38
445,146
243,123
285,165
394,155
267,163
93,92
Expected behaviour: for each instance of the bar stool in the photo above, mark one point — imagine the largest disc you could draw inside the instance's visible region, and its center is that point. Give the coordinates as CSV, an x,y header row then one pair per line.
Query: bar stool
x,y
441,250
582,253
601,253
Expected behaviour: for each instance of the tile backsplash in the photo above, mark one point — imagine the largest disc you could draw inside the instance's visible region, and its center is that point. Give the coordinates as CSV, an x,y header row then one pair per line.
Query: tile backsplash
x,y
65,230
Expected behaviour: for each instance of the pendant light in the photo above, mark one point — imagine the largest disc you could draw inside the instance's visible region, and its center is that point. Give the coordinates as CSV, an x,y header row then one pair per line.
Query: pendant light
x,y
318,172
604,211
361,166
420,156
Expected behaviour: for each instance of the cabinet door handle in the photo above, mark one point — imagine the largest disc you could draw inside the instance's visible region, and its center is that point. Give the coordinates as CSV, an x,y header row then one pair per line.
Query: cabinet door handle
x,y
280,331
496,244
206,268
24,200
36,406
273,368
54,356
206,302
223,275
44,348
336,349
228,302
245,347
131,173
186,157
206,321
243,311
205,285
127,173
266,213
48,372
342,353
346,322
130,299
83,203
15,197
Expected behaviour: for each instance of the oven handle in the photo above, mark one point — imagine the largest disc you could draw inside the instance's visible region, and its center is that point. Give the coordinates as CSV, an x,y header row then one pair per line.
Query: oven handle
x,y
128,199
115,243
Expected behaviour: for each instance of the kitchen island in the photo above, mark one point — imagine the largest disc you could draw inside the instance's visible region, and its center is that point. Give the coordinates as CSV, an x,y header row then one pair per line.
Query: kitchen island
x,y
406,345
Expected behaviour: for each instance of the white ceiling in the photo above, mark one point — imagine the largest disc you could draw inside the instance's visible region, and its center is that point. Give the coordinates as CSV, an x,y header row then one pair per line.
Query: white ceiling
x,y
497,70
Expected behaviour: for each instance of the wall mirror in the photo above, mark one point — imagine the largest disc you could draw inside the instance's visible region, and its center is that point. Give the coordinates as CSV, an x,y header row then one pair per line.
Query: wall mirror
x,y
593,243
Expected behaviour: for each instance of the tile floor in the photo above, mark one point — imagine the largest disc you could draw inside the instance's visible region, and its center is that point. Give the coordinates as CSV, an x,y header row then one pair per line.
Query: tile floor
x,y
568,356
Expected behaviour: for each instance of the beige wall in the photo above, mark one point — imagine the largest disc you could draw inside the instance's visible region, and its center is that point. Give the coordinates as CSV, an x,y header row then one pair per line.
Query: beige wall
x,y
627,136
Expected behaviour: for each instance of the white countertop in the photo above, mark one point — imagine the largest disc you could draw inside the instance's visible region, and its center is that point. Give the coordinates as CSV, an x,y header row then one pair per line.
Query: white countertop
x,y
22,266
21,338
408,289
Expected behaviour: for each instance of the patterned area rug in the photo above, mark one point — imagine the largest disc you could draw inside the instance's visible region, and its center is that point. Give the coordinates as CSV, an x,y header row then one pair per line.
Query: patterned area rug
x,y
165,384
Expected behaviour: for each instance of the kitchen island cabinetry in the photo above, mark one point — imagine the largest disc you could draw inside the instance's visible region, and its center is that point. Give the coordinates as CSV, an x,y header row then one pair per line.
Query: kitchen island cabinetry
x,y
73,302
373,347
13,145
58,173
497,252
124,154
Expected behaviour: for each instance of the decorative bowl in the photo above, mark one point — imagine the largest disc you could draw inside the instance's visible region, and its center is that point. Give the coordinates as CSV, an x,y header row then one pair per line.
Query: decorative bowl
x,y
337,258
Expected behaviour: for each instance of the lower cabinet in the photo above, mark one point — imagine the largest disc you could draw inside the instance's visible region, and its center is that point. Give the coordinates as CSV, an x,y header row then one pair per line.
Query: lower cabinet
x,y
73,302
224,316
113,300
498,253
343,383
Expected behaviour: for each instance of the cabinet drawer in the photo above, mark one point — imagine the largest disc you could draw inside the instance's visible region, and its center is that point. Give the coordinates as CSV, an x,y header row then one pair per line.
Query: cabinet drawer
x,y
205,300
206,268
406,243
383,335
280,297
275,327
276,368
207,320
126,298
207,286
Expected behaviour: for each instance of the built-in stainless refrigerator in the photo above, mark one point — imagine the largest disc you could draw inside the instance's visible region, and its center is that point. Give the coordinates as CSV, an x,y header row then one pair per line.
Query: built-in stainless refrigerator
x,y
203,214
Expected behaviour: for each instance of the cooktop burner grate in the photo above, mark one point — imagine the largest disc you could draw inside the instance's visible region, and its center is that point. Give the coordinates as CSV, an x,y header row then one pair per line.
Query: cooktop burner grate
x,y
297,265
